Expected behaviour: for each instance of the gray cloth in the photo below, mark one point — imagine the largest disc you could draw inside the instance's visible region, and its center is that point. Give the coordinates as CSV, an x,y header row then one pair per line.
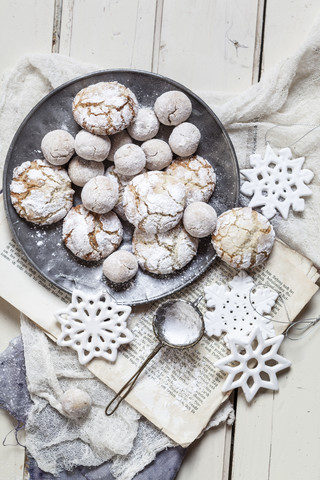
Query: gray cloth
x,y
15,399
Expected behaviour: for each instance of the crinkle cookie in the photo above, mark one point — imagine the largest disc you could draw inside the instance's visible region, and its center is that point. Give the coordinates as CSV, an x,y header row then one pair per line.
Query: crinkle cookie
x,y
158,154
40,192
173,107
57,147
154,201
184,139
120,267
129,160
197,175
145,125
104,108
122,181
91,236
92,147
199,219
117,141
243,238
164,253
100,194
81,171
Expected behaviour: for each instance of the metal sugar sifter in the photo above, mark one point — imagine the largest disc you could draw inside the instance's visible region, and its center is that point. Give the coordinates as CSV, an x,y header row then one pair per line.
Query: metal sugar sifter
x,y
176,324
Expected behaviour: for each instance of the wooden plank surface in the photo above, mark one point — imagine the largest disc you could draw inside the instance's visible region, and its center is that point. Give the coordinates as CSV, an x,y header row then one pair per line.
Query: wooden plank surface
x,y
277,435
112,34
209,44
287,24
26,27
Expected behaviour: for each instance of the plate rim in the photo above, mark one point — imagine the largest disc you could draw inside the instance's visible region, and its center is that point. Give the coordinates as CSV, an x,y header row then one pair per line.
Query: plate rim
x,y
5,184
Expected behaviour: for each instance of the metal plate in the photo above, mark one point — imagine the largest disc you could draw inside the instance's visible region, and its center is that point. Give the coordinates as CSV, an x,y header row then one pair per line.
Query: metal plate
x,y
43,246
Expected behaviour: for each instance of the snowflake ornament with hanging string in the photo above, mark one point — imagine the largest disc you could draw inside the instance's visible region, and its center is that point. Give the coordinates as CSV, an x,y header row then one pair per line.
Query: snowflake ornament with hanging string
x,y
253,364
277,182
238,309
94,325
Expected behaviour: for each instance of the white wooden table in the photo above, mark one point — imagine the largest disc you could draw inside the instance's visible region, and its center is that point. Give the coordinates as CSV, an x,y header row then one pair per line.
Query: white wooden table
x,y
206,45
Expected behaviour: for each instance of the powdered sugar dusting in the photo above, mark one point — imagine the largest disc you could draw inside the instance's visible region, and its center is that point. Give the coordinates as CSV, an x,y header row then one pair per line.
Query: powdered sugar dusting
x,y
41,194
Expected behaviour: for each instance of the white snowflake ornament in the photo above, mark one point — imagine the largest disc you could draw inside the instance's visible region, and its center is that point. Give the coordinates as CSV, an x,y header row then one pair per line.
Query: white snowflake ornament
x,y
238,309
253,364
277,182
94,325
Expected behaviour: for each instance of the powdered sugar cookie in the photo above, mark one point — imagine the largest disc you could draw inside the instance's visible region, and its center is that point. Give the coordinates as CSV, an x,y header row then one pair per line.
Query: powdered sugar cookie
x,y
91,236
129,160
173,107
184,139
104,108
164,253
40,192
243,237
92,147
199,219
145,125
120,267
117,141
81,171
154,201
122,182
57,147
197,175
100,194
158,154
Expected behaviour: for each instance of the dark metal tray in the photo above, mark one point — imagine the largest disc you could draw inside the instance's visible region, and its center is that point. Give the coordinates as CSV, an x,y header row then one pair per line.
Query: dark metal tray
x,y
43,246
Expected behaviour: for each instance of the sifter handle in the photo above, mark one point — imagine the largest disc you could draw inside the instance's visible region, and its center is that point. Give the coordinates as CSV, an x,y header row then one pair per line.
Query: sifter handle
x,y
126,389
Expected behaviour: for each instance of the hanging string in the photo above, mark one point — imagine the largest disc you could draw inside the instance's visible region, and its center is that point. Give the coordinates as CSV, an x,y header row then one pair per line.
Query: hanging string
x,y
302,326
314,127
20,426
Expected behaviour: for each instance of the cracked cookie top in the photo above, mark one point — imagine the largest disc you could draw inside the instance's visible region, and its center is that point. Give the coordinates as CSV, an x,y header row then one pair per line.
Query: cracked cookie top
x,y
91,236
197,175
92,147
164,253
57,147
105,108
173,107
41,193
243,238
154,201
100,194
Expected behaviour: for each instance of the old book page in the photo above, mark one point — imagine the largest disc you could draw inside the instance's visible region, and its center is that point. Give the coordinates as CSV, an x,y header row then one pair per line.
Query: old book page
x,y
180,390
